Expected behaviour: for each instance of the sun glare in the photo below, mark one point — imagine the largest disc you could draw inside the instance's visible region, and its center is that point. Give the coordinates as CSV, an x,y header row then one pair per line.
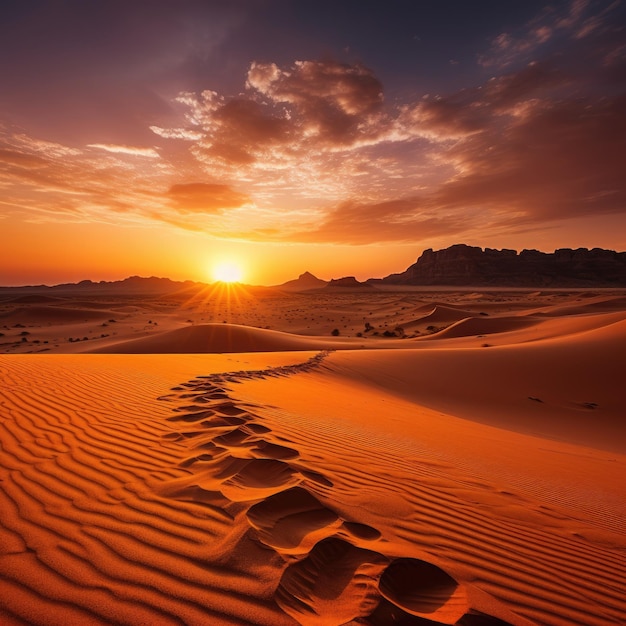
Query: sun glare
x,y
227,273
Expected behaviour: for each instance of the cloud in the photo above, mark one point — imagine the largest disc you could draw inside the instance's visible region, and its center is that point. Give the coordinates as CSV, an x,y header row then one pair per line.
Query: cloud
x,y
301,112
311,152
150,153
205,197
407,219
525,149
47,181
561,160
176,133
580,19
18,159
352,89
334,102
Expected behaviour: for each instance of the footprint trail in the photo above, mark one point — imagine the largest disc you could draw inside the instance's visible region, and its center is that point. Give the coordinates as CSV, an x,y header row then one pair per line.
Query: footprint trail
x,y
334,570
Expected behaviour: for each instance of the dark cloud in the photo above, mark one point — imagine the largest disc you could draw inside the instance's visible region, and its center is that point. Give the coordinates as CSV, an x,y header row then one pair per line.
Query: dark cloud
x,y
334,103
353,89
558,160
308,108
241,129
205,197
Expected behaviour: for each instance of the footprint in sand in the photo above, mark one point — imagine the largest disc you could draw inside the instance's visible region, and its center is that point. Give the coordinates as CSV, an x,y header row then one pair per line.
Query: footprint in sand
x,y
284,520
334,579
335,584
195,416
424,590
475,618
339,583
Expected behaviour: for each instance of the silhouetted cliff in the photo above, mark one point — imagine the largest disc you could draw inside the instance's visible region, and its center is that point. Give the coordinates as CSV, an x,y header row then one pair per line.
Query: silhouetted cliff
x,y
467,265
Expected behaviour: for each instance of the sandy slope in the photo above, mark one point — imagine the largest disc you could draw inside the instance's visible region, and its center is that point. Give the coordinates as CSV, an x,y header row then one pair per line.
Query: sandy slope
x,y
218,338
472,477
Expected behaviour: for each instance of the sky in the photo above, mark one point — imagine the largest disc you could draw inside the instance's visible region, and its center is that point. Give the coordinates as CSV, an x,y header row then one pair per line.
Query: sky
x,y
339,137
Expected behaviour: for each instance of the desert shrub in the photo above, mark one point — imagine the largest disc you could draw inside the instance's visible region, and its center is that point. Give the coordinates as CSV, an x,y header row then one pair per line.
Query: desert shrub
x,y
335,332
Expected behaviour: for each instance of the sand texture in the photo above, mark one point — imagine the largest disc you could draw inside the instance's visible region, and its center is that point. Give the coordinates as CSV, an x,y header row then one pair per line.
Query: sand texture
x,y
465,467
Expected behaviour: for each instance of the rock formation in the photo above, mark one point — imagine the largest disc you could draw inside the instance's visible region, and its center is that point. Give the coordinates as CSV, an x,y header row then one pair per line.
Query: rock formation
x,y
461,265
304,282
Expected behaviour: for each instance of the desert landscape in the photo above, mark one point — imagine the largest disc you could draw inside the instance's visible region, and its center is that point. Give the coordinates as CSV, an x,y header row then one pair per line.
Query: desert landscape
x,y
242,455
312,312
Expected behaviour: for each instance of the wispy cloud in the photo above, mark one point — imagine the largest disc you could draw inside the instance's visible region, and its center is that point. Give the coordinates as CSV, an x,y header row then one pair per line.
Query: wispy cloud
x,y
580,19
206,198
150,153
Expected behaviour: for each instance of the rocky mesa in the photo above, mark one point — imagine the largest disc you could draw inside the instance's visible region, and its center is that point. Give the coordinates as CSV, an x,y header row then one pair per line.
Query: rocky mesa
x,y
469,265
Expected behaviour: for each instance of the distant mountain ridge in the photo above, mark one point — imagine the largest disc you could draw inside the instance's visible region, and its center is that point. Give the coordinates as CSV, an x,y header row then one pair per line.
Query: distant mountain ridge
x,y
463,265
459,265
304,282
132,284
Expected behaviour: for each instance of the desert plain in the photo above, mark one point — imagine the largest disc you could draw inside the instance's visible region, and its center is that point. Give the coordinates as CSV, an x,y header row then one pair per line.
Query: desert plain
x,y
240,455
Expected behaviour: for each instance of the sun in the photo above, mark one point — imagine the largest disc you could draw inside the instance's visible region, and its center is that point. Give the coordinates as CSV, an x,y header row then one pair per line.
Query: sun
x,y
227,272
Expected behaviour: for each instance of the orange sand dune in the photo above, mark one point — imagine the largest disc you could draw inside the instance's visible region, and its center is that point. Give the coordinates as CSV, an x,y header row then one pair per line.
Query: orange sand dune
x,y
442,314
487,326
31,299
223,338
472,476
309,488
569,387
52,314
523,328
593,304
527,529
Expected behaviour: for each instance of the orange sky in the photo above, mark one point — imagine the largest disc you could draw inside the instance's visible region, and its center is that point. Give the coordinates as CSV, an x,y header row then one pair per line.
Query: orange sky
x,y
288,138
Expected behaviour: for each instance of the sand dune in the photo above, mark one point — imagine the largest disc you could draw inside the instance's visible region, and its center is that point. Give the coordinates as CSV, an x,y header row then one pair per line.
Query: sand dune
x,y
487,326
569,386
53,315
33,299
222,338
439,315
471,477
584,306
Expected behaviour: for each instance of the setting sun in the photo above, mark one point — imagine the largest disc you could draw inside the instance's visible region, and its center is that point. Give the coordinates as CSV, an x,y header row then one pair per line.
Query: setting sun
x,y
227,272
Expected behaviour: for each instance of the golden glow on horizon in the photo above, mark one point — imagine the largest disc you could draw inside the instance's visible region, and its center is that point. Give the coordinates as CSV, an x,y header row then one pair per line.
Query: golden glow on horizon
x,y
227,272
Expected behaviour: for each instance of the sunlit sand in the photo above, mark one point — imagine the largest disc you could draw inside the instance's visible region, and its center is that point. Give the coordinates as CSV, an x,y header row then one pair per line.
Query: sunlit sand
x,y
225,457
